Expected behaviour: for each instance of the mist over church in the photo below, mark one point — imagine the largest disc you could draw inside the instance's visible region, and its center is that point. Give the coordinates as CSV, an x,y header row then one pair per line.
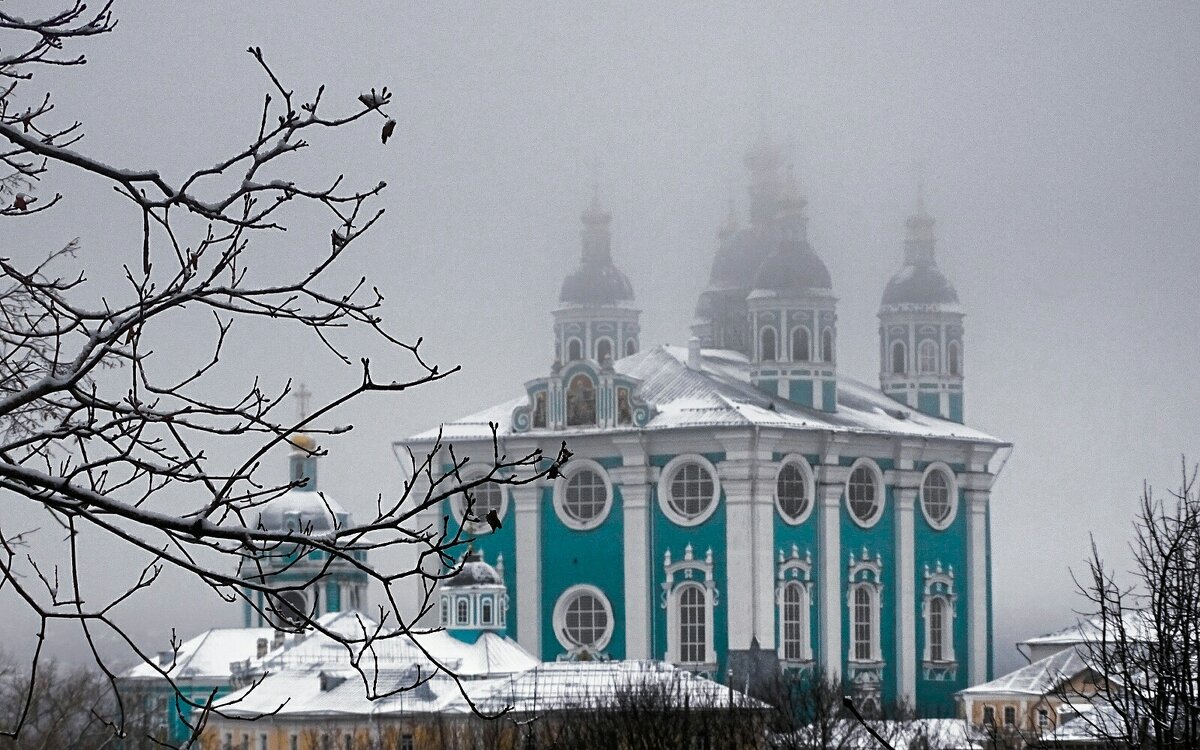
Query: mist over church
x,y
737,500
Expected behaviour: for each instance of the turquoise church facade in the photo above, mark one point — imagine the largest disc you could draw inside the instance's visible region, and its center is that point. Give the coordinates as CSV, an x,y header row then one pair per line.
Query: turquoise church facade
x,y
740,497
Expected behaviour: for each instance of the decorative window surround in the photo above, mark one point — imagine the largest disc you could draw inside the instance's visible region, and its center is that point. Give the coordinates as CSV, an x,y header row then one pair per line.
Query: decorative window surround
x,y
680,575
483,496
880,492
573,647
667,478
799,462
952,495
573,469
865,675
795,572
939,585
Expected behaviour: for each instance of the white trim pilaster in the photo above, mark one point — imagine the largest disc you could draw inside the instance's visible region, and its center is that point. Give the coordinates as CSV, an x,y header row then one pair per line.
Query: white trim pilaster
x,y
829,541
977,595
634,479
529,566
906,600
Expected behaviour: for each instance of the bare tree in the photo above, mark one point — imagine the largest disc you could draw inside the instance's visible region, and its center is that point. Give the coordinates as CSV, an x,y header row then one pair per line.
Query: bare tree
x,y
108,439
1145,651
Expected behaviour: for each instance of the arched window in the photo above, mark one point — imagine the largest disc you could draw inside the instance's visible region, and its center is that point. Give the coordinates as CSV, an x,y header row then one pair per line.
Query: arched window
x,y
899,355
863,627
766,349
445,612
827,345
927,357
603,350
539,409
936,625
581,401
624,408
574,350
953,362
801,346
630,348
693,638
485,612
461,617
793,622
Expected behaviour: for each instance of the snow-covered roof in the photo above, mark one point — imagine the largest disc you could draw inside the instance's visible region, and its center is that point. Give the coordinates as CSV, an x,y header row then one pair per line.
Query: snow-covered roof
x,y
1137,626
205,657
554,686
1039,678
933,734
720,394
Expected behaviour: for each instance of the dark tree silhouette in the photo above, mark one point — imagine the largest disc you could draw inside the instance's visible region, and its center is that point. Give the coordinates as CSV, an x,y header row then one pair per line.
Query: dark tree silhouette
x,y
104,436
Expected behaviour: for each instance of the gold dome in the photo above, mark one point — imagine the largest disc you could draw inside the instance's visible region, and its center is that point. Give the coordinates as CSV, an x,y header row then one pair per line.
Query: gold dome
x,y
303,442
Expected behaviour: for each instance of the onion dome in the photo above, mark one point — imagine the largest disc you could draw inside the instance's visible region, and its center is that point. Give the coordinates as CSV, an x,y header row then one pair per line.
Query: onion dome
x,y
919,282
596,282
303,510
474,572
792,267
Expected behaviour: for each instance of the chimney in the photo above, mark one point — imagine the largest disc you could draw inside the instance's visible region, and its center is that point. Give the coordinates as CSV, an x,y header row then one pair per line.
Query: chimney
x,y
261,651
693,362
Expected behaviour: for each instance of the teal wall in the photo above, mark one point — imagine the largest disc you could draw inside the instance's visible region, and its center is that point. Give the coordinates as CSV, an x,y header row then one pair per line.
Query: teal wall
x,y
502,541
571,557
804,536
666,534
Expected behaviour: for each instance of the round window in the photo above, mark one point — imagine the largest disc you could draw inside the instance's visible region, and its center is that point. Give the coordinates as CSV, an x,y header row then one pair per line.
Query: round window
x,y
485,498
291,607
584,500
691,490
937,498
583,619
862,494
791,492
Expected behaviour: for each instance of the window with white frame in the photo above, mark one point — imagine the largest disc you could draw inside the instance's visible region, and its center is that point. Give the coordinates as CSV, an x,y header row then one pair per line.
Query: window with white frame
x,y
485,612
899,358
484,499
693,615
953,358
1010,716
938,495
793,490
863,599
793,622
864,493
574,350
583,495
801,344
583,619
766,350
462,612
630,348
603,350
688,489
927,356
827,345
937,608
689,596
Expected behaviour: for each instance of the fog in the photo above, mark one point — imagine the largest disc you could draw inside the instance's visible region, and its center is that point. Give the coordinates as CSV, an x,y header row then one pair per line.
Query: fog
x,y
1057,145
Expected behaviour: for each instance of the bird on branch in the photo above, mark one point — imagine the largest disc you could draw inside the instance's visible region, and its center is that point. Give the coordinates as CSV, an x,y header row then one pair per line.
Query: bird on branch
x,y
494,520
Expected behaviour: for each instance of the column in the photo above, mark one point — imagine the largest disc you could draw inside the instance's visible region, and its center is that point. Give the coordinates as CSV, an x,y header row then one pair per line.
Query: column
x,y
906,600
829,539
527,498
746,477
634,483
977,594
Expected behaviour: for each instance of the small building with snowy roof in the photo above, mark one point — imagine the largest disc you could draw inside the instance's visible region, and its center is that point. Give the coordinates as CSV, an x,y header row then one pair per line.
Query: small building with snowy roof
x,y
744,489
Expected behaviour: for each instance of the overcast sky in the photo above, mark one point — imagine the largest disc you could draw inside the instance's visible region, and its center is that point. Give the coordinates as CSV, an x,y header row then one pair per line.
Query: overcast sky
x,y
1058,142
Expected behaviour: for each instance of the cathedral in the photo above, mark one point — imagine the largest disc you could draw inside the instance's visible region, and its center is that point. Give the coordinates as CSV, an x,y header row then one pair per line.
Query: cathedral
x,y
738,497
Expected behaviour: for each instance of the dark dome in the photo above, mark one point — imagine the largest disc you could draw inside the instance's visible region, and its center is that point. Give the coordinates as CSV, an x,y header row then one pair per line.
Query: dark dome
x,y
474,572
793,266
920,284
733,267
595,284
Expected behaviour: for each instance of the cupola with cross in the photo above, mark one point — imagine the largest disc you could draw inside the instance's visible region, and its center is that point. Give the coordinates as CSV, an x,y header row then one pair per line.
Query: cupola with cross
x,y
921,328
473,598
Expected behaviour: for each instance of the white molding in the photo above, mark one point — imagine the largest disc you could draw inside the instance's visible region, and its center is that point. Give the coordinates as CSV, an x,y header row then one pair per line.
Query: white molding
x,y
953,481
830,551
880,493
575,467
664,489
559,618
529,567
977,596
796,571
688,566
906,600
795,459
633,482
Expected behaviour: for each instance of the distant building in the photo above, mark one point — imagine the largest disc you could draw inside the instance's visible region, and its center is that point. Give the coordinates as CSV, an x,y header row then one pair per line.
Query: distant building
x,y
742,490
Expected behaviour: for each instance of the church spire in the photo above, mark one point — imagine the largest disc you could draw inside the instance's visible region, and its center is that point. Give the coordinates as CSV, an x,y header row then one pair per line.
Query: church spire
x,y
919,241
597,239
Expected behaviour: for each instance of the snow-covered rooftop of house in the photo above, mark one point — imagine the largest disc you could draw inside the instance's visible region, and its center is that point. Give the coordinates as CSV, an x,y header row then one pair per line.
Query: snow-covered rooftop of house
x,y
563,685
204,657
1039,678
930,734
1136,625
720,394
